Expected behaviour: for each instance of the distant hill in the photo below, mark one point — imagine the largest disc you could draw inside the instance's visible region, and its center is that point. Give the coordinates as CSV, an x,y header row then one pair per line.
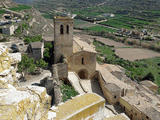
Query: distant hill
x,y
76,4
69,5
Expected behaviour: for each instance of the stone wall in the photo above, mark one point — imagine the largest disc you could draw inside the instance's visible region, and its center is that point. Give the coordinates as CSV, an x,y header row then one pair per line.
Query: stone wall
x,y
62,70
110,96
87,65
130,110
88,106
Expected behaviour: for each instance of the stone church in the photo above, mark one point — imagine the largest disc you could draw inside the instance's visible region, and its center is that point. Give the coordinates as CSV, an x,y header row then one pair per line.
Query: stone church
x,y
80,56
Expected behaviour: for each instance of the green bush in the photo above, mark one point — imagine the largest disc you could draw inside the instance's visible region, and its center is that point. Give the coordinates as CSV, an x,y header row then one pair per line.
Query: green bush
x,y
48,53
21,28
68,92
26,65
41,63
29,39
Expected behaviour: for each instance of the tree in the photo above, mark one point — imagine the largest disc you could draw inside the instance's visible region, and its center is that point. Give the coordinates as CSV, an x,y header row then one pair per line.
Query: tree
x,y
41,63
26,65
48,53
29,39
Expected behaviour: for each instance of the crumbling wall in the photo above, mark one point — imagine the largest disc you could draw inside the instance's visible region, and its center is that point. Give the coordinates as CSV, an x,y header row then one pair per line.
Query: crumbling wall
x,y
130,110
62,70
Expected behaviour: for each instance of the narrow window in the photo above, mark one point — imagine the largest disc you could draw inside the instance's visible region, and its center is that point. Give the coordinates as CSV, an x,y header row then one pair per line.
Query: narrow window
x,y
82,61
67,29
61,29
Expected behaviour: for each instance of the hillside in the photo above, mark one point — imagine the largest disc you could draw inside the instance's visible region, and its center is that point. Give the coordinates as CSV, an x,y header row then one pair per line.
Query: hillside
x,y
141,12
7,3
116,4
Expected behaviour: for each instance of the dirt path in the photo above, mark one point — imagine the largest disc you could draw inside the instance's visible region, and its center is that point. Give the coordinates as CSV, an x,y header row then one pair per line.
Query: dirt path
x,y
123,51
32,79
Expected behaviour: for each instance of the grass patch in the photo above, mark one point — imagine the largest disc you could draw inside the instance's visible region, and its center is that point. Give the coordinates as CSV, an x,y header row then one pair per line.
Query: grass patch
x,y
2,11
47,16
20,8
21,28
148,69
68,92
93,12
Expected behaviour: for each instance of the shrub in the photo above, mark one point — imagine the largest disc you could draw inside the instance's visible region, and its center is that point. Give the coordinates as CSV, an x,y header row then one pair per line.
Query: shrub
x,y
26,65
41,63
48,53
29,39
68,92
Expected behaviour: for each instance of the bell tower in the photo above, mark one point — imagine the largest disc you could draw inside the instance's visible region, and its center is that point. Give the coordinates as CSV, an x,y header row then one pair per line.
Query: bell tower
x,y
63,37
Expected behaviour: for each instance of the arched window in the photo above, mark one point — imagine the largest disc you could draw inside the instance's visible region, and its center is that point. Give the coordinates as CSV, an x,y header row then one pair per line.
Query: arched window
x,y
61,29
82,61
67,29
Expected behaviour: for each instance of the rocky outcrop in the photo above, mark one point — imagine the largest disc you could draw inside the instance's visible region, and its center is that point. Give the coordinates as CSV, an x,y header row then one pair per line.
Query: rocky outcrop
x,y
8,63
30,103
19,103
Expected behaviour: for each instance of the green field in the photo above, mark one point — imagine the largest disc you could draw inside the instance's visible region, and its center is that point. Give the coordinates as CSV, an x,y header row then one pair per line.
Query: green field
x,y
20,7
100,29
92,11
127,22
148,69
2,11
90,27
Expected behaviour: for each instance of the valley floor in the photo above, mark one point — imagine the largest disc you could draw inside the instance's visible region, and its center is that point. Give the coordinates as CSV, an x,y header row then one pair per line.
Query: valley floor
x,y
123,51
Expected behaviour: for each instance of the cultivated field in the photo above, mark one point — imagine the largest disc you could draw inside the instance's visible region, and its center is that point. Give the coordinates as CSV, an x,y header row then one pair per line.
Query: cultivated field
x,y
133,54
124,51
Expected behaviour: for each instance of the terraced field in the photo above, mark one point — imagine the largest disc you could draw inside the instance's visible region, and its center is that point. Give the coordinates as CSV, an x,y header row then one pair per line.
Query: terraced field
x,y
127,22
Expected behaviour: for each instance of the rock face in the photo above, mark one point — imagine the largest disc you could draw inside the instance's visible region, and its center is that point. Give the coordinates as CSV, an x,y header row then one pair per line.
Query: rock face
x,y
19,103
31,103
8,67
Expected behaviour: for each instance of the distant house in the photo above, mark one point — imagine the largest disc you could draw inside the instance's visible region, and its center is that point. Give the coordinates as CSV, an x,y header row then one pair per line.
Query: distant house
x,y
36,50
8,29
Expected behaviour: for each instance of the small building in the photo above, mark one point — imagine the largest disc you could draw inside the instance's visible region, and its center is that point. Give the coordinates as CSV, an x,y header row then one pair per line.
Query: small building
x,y
140,107
8,29
36,50
112,87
